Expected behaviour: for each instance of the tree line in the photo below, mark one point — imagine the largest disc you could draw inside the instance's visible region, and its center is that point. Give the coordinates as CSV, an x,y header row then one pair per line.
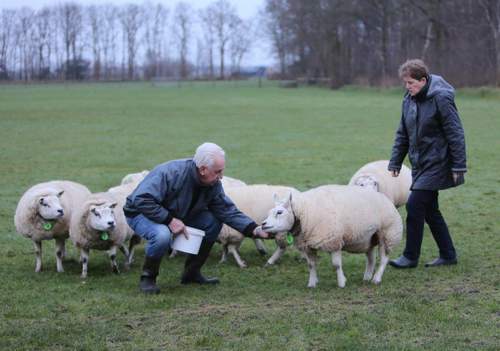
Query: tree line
x,y
338,41
69,41
364,41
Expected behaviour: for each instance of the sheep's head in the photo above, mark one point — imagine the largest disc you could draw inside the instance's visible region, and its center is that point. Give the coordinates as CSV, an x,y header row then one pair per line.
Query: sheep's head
x,y
102,216
280,218
49,206
367,181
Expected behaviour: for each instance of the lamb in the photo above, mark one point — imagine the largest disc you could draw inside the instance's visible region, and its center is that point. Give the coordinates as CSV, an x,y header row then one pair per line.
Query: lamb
x,y
375,175
333,218
228,182
134,177
44,212
99,223
255,201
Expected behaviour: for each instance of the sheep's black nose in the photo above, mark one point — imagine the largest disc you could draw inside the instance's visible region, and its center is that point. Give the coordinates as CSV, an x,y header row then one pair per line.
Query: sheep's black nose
x,y
61,212
111,224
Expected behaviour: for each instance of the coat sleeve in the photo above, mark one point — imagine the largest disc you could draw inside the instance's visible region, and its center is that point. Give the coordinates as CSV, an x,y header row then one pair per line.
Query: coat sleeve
x,y
400,148
453,131
226,211
148,196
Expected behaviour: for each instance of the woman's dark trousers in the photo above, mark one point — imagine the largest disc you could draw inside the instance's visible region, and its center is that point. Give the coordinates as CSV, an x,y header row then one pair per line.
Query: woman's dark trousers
x,y
422,206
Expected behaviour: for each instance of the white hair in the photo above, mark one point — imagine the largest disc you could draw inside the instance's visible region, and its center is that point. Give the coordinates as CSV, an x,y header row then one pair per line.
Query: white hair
x,y
206,154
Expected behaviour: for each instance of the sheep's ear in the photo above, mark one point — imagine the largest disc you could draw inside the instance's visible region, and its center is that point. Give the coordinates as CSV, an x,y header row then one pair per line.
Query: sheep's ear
x,y
113,205
60,193
288,201
275,198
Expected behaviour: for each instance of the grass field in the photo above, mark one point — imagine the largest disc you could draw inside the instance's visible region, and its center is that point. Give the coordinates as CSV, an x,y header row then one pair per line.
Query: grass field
x,y
95,134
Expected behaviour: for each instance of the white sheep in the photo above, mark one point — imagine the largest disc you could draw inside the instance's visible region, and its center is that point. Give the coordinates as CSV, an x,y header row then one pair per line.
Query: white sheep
x,y
134,177
228,182
375,175
255,201
44,212
99,224
333,218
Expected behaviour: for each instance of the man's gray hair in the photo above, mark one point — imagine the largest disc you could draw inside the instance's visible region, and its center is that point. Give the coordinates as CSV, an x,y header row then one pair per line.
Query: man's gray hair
x,y
206,154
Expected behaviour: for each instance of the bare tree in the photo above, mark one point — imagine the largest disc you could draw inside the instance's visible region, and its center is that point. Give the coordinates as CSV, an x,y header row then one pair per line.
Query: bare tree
x,y
155,37
6,33
181,29
241,41
225,21
71,26
95,17
208,27
492,13
131,20
275,18
109,39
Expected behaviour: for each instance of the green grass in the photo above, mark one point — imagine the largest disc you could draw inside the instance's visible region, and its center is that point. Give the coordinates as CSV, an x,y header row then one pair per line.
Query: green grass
x,y
95,134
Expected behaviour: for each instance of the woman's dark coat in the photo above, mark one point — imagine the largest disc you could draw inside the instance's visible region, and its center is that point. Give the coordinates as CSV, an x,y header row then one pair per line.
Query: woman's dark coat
x,y
431,134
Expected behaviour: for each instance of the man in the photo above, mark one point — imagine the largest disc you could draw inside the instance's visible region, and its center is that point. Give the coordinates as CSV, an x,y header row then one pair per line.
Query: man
x,y
431,133
179,193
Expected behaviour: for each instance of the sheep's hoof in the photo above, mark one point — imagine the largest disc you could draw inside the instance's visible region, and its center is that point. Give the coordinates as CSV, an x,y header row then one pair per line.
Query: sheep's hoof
x,y
311,286
262,252
116,270
243,265
126,267
61,270
376,281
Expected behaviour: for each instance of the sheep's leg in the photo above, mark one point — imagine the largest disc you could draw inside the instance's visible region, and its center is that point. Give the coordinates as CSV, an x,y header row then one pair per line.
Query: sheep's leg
x,y
38,255
234,251
337,263
173,254
261,248
112,257
224,254
384,259
311,262
126,253
276,256
134,241
60,253
84,259
370,264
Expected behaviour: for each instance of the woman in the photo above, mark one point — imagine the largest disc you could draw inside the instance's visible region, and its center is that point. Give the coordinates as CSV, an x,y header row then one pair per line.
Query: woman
x,y
431,134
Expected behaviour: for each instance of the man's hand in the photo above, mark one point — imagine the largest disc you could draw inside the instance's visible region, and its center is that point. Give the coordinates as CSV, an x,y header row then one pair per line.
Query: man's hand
x,y
458,178
259,233
177,227
394,173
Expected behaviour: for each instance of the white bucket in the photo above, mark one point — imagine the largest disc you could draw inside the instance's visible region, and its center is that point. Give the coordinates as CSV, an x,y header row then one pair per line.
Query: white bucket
x,y
191,245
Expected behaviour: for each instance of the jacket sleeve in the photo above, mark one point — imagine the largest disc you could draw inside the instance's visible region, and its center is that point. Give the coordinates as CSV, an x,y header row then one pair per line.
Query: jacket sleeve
x,y
400,148
453,131
226,211
148,196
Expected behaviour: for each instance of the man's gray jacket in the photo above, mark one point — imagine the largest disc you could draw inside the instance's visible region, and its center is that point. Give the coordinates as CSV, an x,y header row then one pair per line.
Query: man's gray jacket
x,y
173,189
431,134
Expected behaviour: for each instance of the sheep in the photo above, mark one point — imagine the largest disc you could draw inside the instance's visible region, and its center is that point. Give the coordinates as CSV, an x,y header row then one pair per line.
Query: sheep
x,y
333,218
255,201
228,182
99,223
44,212
134,177
375,175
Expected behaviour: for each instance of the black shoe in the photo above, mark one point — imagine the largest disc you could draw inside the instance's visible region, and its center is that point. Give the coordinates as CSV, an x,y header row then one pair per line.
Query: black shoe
x,y
441,262
150,271
403,262
200,279
148,285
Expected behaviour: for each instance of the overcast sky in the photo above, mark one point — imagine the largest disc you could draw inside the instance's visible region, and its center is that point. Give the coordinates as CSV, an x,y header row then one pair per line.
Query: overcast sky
x,y
259,54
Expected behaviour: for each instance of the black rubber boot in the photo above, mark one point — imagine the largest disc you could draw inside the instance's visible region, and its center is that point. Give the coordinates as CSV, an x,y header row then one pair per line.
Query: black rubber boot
x,y
193,265
150,271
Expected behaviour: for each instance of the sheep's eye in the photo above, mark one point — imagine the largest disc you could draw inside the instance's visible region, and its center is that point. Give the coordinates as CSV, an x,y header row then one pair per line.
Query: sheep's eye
x,y
279,212
97,214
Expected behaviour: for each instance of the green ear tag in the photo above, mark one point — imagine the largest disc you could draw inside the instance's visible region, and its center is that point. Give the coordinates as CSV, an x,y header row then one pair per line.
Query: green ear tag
x,y
104,236
289,239
47,226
